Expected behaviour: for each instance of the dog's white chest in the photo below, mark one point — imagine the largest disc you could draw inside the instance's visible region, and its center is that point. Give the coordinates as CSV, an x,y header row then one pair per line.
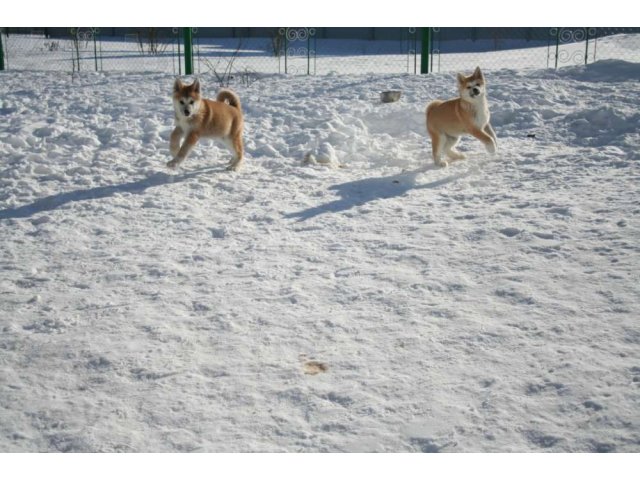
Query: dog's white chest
x,y
481,115
184,124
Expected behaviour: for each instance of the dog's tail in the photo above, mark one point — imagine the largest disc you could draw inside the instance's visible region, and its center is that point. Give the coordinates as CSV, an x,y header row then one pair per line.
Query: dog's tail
x,y
226,95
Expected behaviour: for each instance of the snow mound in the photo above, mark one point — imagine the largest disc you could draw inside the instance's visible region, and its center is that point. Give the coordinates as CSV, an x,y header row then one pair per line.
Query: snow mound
x,y
603,125
603,71
323,155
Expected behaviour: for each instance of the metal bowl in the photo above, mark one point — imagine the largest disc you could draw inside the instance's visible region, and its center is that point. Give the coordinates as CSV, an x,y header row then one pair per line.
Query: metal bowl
x,y
390,96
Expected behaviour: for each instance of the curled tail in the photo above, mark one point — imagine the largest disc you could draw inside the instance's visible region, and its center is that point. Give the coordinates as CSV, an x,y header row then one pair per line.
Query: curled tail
x,y
230,97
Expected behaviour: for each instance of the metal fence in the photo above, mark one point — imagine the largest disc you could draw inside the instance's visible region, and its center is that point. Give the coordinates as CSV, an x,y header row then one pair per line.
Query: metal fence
x,y
89,49
531,47
242,53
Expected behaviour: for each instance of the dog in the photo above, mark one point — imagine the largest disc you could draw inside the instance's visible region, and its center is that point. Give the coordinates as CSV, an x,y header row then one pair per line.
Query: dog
x,y
198,117
469,113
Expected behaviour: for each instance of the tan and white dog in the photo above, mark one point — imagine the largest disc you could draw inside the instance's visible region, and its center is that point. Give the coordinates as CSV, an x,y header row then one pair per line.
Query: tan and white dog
x,y
469,113
198,117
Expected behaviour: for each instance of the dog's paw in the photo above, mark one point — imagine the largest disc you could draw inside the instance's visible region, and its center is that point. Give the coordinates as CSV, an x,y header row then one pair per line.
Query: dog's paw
x,y
234,166
491,147
442,163
173,163
456,155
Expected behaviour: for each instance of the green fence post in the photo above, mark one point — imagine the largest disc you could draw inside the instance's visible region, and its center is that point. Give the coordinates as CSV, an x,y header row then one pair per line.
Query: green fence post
x,y
1,53
179,55
286,37
95,48
586,48
557,44
188,52
308,54
426,49
415,51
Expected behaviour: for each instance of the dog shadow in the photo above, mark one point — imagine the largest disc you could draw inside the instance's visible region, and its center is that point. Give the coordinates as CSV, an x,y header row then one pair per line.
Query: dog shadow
x,y
138,187
360,192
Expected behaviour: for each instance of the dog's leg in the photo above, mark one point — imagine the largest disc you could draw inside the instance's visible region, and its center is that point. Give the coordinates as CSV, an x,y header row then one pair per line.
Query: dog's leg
x,y
236,143
486,139
186,147
174,144
489,129
437,147
450,149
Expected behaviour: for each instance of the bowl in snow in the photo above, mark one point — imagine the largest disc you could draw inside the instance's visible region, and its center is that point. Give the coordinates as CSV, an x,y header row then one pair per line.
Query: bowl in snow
x,y
389,96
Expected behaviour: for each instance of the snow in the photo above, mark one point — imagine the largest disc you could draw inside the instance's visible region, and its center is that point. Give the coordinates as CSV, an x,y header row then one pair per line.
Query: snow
x,y
387,305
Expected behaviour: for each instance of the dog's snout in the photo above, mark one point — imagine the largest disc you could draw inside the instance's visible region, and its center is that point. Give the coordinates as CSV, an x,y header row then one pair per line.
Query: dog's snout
x,y
186,112
476,91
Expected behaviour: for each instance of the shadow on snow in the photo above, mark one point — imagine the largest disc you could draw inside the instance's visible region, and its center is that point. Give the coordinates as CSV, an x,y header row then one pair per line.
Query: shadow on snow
x,y
53,202
360,192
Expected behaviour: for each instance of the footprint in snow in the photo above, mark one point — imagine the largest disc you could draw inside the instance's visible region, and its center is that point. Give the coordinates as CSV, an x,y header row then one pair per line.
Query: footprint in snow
x,y
510,231
312,367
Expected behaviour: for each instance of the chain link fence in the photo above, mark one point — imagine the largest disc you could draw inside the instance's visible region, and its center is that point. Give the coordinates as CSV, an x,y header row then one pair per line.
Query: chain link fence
x,y
93,49
233,54
453,49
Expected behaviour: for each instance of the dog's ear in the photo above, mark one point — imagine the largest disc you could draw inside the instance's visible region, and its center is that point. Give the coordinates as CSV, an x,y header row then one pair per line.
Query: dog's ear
x,y
477,73
177,85
461,79
196,86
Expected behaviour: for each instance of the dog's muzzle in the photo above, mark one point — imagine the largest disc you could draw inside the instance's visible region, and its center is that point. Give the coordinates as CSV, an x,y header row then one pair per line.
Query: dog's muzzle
x,y
475,92
187,113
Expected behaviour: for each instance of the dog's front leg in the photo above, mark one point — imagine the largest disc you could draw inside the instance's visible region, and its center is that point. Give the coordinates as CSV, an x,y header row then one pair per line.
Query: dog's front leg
x,y
174,144
186,147
489,130
485,138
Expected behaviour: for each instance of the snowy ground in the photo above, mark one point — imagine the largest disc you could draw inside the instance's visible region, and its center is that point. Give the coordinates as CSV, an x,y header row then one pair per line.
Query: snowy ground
x,y
384,306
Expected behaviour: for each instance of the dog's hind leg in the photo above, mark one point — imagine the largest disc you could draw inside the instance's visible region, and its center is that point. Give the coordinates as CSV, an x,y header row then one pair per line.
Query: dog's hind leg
x,y
238,149
450,148
437,147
